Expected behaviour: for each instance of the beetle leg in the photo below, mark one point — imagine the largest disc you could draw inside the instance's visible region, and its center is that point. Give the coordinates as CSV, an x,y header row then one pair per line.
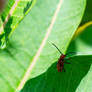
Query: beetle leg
x,y
67,62
64,69
67,59
70,53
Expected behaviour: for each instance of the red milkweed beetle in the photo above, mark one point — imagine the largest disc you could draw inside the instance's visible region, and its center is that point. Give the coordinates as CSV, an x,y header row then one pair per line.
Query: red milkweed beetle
x,y
61,60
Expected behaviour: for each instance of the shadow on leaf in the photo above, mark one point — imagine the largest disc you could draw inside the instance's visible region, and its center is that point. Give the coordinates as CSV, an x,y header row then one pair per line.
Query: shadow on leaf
x,y
7,30
86,36
54,81
27,6
88,13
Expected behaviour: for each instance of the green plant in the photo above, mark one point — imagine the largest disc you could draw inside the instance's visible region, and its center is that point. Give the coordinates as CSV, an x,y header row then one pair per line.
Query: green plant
x,y
28,59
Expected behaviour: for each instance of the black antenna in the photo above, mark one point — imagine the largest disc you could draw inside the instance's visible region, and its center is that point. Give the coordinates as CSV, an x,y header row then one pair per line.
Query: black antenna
x,y
57,48
70,53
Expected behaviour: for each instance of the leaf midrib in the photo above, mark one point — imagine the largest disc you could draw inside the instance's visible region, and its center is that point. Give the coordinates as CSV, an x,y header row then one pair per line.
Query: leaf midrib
x,y
29,70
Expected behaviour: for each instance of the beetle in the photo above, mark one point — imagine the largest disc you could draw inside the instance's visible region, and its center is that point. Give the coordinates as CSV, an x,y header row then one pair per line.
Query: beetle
x,y
62,60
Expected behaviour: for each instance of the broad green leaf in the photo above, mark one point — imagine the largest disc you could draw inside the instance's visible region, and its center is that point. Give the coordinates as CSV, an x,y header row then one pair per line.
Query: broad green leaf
x,y
13,13
83,44
53,81
30,53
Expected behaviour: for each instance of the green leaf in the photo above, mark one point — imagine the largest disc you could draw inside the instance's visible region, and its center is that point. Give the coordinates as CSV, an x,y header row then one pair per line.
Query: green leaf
x,y
30,53
83,44
54,81
13,13
88,12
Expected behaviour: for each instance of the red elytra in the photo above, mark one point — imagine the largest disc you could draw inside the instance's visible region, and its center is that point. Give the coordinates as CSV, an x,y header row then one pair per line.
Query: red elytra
x,y
61,61
60,64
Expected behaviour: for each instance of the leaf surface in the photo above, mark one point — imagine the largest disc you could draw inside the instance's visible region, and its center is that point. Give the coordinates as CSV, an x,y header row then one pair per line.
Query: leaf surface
x,y
83,44
87,15
30,53
13,13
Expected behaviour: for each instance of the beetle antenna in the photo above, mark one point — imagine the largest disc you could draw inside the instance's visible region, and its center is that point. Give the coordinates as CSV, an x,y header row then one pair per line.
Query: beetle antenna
x,y
57,48
70,53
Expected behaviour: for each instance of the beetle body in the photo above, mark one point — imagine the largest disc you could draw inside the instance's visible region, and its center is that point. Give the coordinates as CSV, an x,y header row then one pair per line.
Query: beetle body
x,y
60,64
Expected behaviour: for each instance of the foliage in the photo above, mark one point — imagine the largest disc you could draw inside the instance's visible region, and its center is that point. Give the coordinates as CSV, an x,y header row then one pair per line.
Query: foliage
x,y
28,59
